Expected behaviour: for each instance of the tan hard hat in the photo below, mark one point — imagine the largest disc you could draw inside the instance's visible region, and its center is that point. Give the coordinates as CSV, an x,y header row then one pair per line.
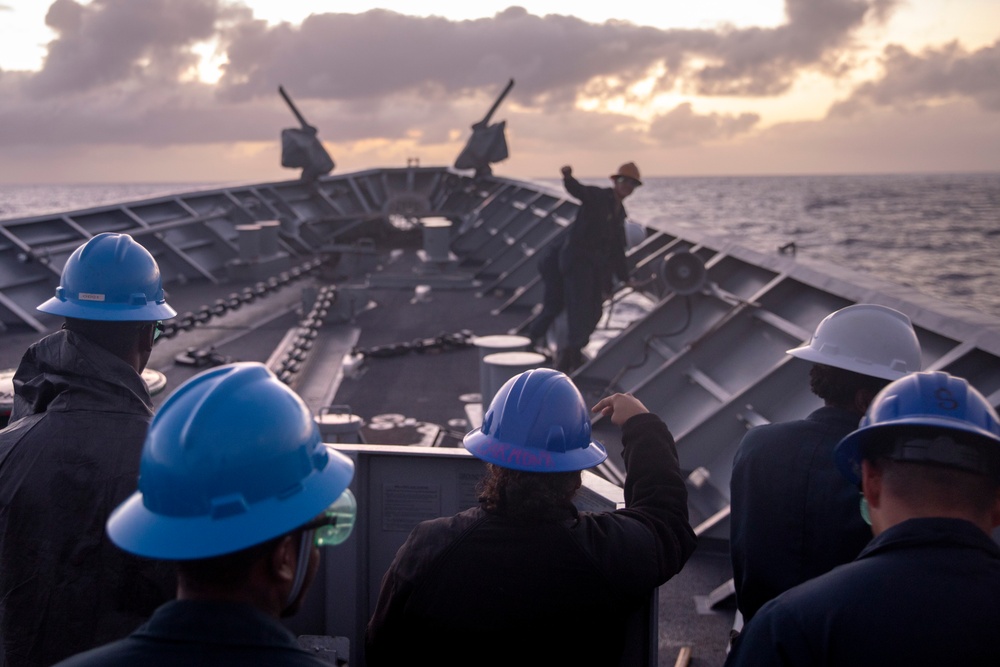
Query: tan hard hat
x,y
628,170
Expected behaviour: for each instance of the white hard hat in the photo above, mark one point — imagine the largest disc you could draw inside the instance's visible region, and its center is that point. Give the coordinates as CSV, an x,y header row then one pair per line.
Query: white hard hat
x,y
865,338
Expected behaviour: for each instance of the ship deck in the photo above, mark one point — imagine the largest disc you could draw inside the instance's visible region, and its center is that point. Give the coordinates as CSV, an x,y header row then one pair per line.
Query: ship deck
x,y
419,384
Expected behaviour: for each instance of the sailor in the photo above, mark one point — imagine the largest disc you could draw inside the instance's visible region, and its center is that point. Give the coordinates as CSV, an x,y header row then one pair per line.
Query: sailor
x,y
71,453
238,490
926,590
525,578
578,274
793,516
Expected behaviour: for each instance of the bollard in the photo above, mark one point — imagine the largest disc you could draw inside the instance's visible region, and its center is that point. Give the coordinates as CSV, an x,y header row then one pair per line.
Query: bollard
x,y
502,366
491,345
337,424
249,242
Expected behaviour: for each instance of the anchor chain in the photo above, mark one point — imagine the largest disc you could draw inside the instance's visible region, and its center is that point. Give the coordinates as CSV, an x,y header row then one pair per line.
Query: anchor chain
x,y
442,343
295,356
190,319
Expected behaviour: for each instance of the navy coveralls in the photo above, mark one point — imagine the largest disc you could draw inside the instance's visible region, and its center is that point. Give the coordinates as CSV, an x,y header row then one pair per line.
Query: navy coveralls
x,y
924,592
578,273
203,634
793,515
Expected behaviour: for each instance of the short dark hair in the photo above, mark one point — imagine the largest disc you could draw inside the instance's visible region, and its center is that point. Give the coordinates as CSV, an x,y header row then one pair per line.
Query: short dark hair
x,y
528,496
837,386
920,482
229,571
119,338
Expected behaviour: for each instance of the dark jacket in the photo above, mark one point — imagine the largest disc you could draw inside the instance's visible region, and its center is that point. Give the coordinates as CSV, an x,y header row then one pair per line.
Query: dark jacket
x,y
793,515
202,634
595,242
924,592
477,588
69,456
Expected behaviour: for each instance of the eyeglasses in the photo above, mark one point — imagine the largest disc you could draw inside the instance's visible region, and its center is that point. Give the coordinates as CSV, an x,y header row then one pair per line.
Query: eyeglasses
x,y
865,514
336,523
625,180
158,329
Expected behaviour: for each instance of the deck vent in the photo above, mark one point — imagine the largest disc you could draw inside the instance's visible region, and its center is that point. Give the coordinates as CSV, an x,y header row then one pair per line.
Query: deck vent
x,y
684,272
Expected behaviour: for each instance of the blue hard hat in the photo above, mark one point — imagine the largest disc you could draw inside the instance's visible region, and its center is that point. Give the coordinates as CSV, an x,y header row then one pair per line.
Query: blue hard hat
x,y
232,459
943,420
537,422
110,277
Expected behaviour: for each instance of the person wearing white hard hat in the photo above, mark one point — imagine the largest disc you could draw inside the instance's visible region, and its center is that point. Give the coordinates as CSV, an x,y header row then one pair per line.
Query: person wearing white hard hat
x,y
793,517
71,453
578,273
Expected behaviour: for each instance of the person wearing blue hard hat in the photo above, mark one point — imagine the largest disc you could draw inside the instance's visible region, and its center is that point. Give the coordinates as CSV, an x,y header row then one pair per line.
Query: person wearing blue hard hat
x,y
926,589
70,454
238,490
526,577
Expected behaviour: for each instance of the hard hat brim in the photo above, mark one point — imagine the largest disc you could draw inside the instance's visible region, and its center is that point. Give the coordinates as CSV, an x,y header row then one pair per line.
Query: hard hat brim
x,y
108,312
532,459
872,370
847,453
136,529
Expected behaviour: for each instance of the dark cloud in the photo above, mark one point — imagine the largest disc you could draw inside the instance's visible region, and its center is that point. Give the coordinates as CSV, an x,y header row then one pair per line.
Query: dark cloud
x,y
914,80
349,56
117,73
121,41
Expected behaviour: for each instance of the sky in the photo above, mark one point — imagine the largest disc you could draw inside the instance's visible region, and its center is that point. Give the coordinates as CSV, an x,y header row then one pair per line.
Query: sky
x,y
109,91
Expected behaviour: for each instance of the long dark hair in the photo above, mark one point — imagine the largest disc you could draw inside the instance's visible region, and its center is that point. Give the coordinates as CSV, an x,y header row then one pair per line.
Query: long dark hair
x,y
530,496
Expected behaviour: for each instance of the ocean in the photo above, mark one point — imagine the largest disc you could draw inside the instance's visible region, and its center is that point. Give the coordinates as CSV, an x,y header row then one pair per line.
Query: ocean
x,y
936,233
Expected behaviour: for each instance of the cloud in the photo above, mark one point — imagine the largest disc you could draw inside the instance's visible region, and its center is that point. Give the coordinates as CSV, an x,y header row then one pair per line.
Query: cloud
x,y
766,61
119,73
934,75
350,56
682,126
121,41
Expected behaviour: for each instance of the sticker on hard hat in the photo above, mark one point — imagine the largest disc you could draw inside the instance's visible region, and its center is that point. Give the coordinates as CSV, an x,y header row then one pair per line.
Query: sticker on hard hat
x,y
84,296
533,458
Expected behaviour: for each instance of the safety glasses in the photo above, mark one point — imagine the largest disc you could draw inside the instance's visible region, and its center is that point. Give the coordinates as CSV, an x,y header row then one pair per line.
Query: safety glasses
x,y
158,329
336,523
625,180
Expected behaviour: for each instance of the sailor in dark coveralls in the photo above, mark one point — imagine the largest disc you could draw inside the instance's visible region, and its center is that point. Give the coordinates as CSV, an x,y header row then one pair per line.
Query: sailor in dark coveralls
x,y
239,491
794,516
71,453
578,274
926,590
525,578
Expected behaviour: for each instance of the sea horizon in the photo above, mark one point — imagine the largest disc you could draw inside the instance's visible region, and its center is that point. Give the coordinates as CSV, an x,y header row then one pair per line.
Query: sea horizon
x,y
937,232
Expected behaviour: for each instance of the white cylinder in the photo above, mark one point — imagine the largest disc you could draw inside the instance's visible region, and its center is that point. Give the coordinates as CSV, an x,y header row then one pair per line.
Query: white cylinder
x,y
502,366
337,426
491,345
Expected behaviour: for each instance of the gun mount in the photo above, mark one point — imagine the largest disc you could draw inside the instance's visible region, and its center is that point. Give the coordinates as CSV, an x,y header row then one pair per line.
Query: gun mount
x,y
301,147
488,143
